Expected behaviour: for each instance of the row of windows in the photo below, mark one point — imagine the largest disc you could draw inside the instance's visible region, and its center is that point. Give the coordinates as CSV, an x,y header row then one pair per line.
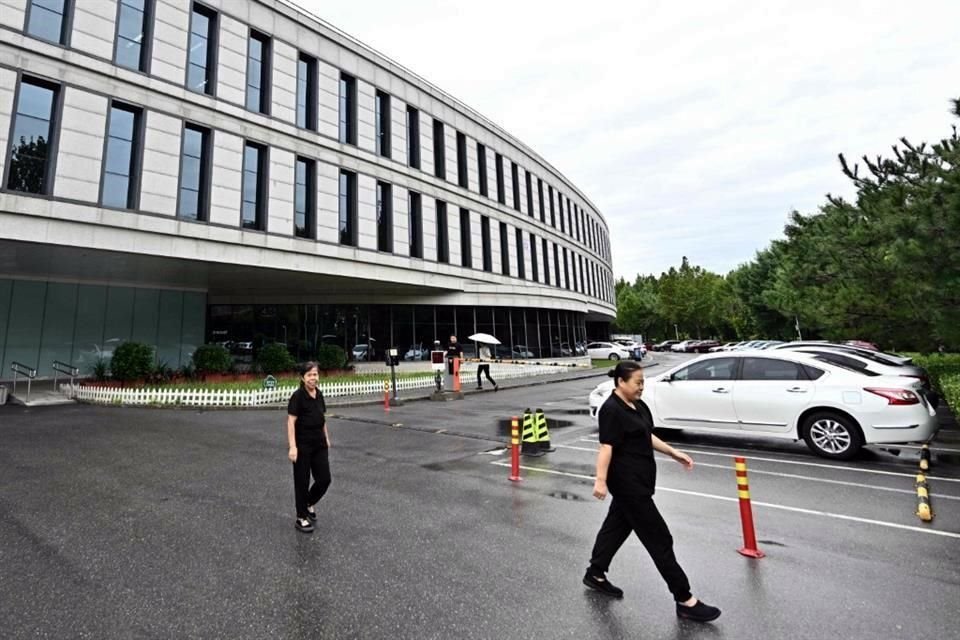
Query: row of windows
x,y
48,19
30,169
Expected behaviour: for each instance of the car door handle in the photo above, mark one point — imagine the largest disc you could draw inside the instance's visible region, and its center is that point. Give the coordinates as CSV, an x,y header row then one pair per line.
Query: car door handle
x,y
797,390
721,390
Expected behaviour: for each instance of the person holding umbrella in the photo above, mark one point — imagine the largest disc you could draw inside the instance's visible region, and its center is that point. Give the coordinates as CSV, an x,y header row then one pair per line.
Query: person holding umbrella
x,y
484,356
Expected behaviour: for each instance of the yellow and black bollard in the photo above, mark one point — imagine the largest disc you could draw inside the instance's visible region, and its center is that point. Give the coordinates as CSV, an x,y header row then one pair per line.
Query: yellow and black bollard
x,y
925,457
924,511
543,434
529,446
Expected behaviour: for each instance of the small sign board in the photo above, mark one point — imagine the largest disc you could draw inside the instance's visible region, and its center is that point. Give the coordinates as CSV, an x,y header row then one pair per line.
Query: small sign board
x,y
437,360
269,382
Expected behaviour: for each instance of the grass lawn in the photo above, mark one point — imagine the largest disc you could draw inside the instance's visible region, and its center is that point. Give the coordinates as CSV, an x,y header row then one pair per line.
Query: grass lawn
x,y
285,381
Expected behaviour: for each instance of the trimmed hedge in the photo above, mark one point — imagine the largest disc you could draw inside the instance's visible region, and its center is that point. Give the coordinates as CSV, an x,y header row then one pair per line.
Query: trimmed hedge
x,y
274,358
212,358
131,361
944,370
331,356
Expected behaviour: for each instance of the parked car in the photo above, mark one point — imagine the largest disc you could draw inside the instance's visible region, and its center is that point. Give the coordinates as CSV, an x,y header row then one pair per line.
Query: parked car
x,y
416,352
704,346
893,358
682,347
787,395
665,345
863,344
521,351
608,351
869,362
363,352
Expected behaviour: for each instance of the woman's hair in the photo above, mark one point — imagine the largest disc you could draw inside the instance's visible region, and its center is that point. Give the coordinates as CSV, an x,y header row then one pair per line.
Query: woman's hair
x,y
623,370
305,368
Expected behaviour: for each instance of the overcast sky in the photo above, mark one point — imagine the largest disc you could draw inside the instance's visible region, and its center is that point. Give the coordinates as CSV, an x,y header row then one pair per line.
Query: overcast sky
x,y
695,127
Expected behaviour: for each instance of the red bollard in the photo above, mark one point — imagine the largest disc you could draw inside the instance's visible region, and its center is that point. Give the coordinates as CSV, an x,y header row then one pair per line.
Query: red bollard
x,y
746,513
515,449
386,397
456,374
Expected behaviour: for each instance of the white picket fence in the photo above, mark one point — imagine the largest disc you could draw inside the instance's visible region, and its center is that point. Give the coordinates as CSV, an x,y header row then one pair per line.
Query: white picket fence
x,y
260,397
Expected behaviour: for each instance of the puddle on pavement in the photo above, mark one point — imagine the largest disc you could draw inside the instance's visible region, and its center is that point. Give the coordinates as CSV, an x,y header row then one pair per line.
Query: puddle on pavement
x,y
503,426
772,543
946,458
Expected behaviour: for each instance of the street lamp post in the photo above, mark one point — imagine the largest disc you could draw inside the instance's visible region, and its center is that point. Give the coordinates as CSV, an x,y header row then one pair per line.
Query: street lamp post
x,y
676,331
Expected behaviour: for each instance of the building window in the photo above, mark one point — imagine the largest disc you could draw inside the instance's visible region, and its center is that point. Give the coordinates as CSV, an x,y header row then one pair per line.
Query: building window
x,y
120,174
133,25
443,233
348,208
307,92
563,227
566,269
194,173
482,169
485,243
348,109
515,176
384,217
501,191
305,199
31,145
258,72
521,267
48,20
382,108
462,178
202,58
546,262
504,250
439,151
534,267
543,210
553,217
254,187
466,239
416,226
529,194
581,281
556,264
413,137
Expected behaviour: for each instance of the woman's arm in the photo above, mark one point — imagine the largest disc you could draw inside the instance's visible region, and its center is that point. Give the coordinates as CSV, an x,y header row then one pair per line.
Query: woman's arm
x,y
326,434
603,464
676,454
292,437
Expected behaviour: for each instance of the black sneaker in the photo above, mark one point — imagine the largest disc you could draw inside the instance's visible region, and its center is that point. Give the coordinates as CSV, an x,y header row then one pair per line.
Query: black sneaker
x,y
700,612
312,513
304,525
496,387
601,584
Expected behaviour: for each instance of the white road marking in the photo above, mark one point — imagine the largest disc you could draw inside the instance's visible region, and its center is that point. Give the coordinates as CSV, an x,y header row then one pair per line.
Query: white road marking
x,y
749,457
788,475
768,505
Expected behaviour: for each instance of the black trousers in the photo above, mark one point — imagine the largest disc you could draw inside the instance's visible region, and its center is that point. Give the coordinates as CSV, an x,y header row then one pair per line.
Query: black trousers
x,y
640,515
484,369
311,458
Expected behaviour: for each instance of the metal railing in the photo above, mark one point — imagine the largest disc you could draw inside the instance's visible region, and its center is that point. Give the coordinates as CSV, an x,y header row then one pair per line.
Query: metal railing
x,y
24,370
66,369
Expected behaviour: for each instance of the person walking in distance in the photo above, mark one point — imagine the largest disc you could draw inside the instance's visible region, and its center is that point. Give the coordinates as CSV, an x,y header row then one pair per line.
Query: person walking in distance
x,y
309,442
627,470
484,368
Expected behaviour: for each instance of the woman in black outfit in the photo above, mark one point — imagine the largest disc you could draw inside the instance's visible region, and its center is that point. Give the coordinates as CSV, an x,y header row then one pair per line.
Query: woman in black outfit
x,y
309,441
626,468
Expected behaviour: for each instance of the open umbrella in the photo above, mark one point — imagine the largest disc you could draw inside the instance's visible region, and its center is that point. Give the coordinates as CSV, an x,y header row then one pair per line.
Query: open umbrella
x,y
485,338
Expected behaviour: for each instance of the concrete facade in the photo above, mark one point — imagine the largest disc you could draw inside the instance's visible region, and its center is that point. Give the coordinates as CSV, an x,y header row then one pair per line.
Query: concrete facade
x,y
152,247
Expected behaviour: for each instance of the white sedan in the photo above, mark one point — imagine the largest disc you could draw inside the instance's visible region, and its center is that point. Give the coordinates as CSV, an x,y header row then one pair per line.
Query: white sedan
x,y
787,395
608,351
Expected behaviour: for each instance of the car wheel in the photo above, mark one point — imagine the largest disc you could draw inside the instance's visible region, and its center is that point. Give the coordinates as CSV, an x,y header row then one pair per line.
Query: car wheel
x,y
832,435
614,356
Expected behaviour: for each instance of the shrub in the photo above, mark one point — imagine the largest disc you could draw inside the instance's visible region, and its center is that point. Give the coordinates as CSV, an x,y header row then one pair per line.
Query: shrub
x,y
100,369
331,356
274,358
212,358
950,384
131,361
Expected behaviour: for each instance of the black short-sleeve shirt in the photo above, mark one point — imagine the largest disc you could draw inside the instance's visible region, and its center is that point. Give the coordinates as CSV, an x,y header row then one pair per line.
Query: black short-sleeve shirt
x,y
633,471
310,415
454,351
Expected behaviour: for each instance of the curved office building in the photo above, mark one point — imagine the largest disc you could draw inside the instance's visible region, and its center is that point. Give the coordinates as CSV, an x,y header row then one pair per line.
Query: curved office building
x,y
178,172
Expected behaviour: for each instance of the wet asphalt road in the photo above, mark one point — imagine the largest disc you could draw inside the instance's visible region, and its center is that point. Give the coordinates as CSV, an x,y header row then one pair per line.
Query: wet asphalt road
x,y
140,523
